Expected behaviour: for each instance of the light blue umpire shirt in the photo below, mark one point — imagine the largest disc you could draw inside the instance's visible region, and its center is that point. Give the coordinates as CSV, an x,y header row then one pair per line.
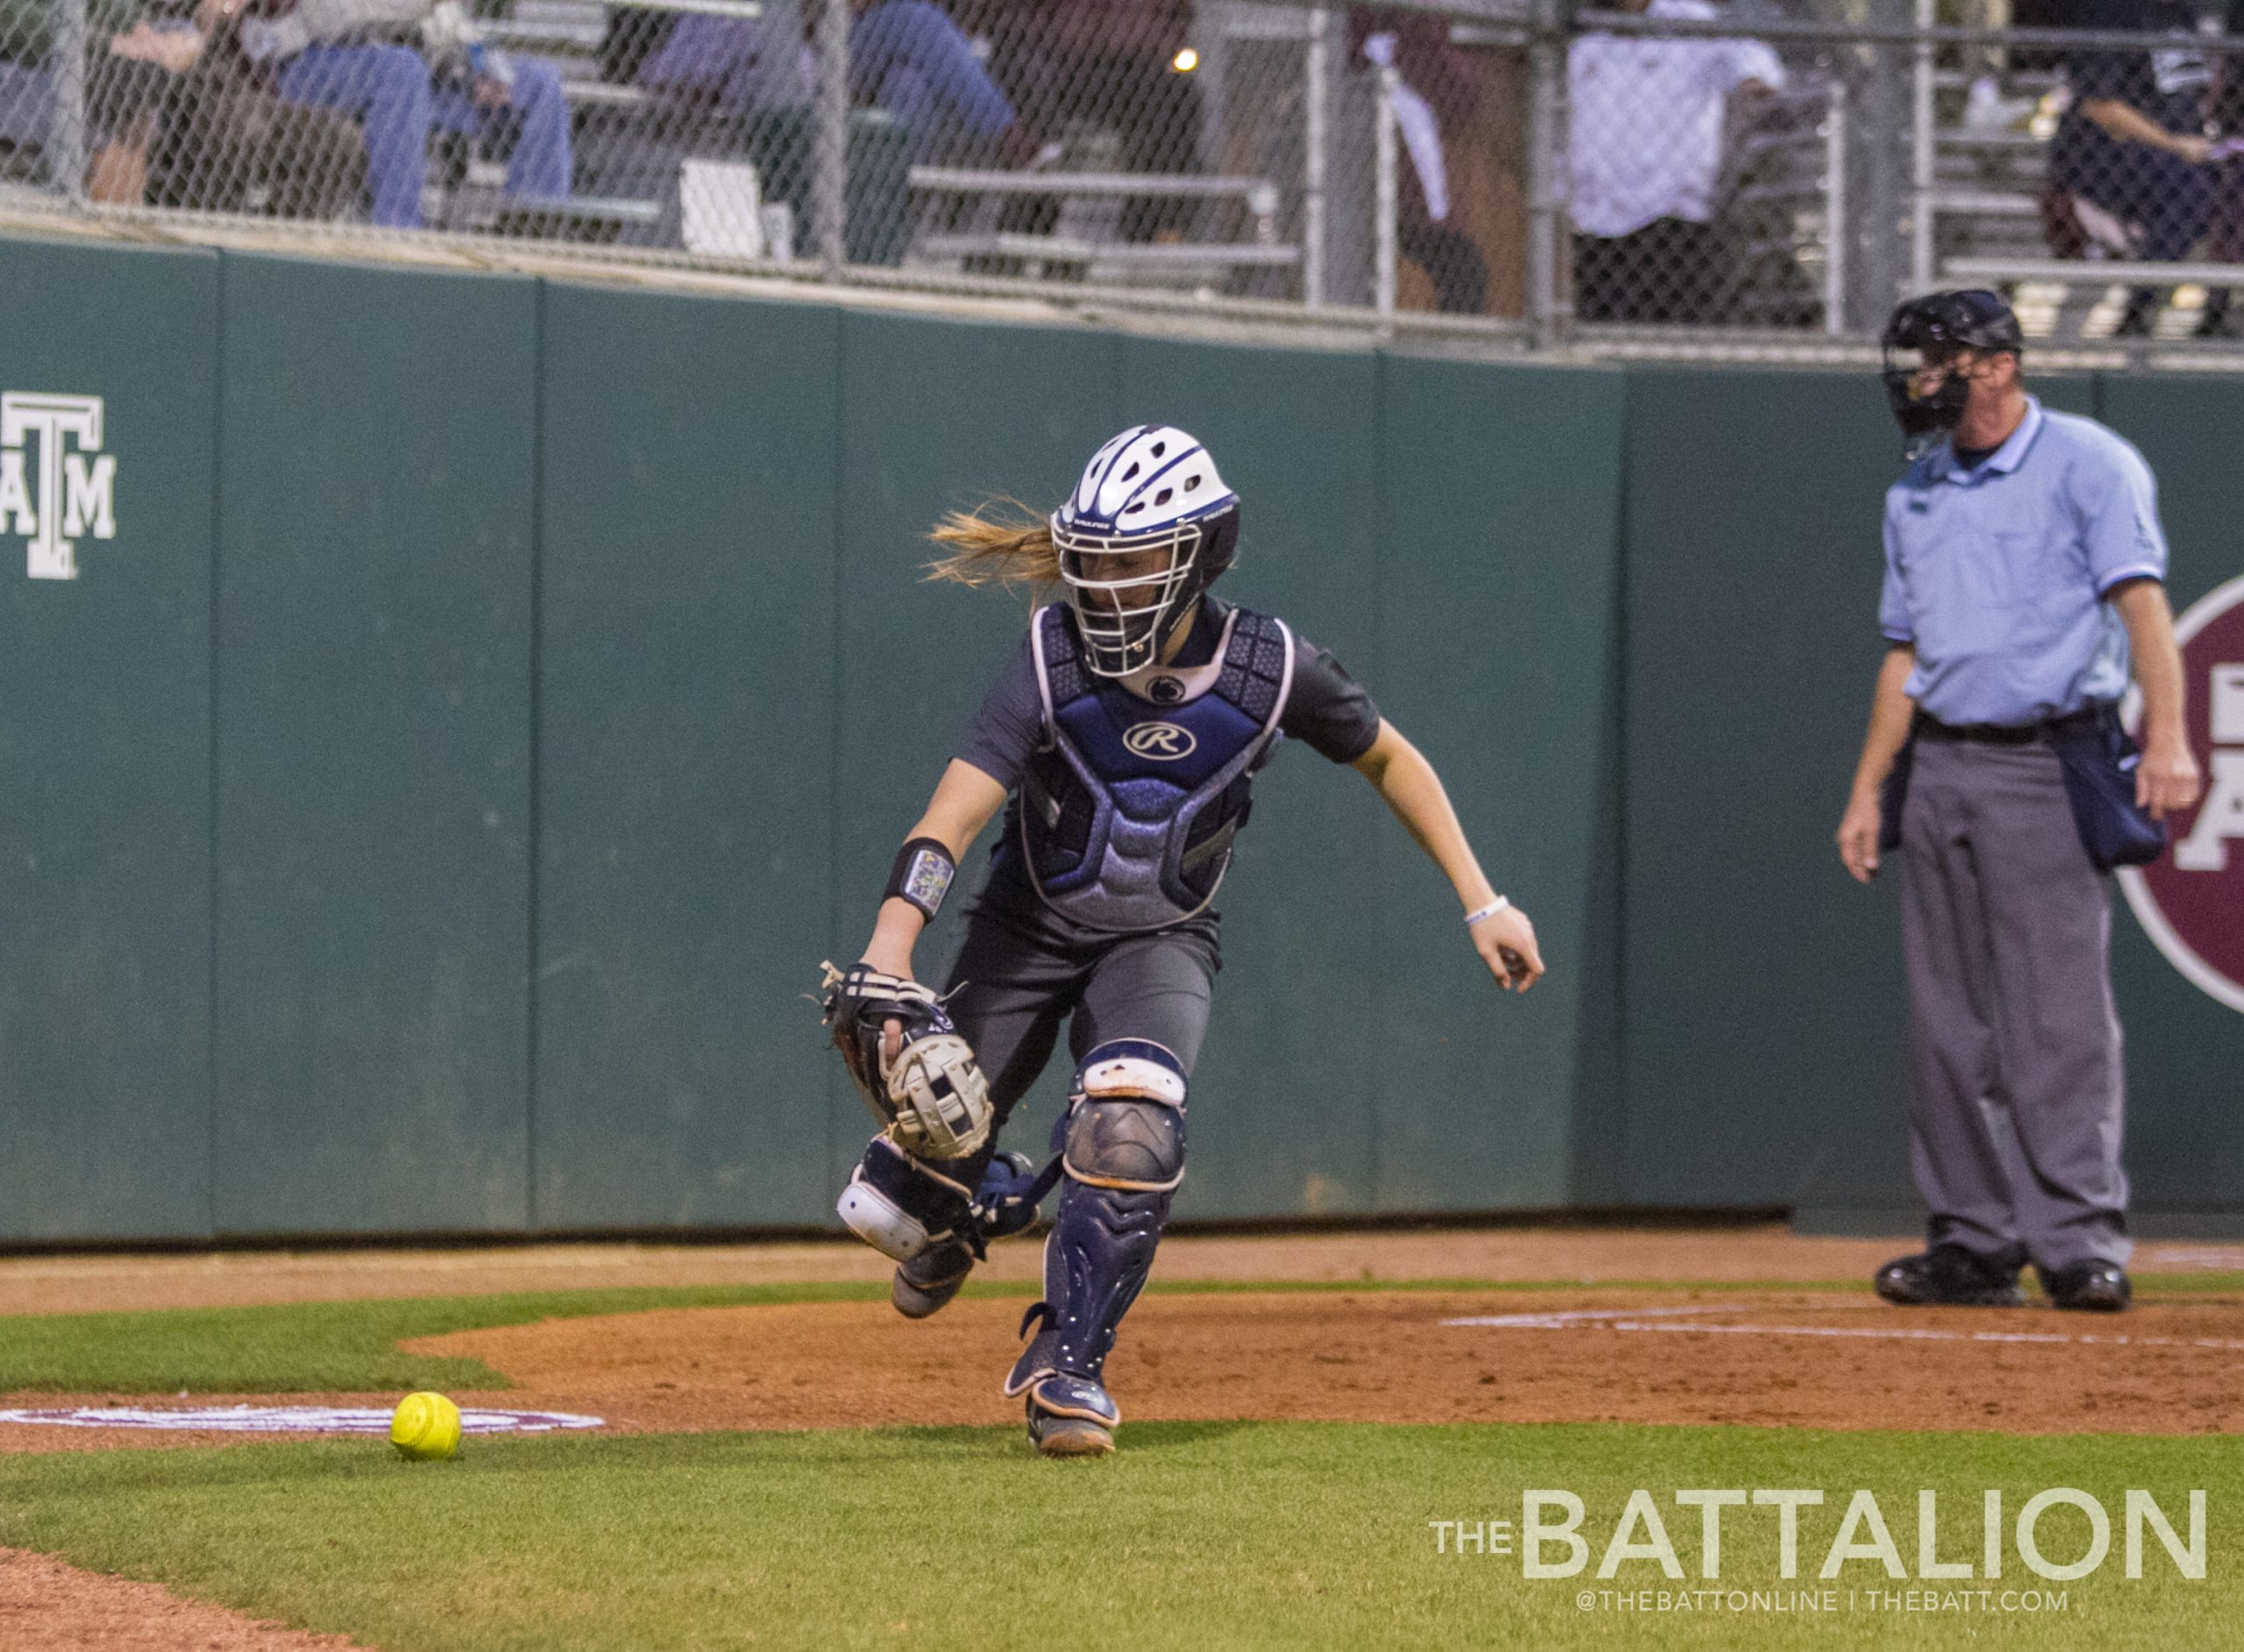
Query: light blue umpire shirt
x,y
1998,575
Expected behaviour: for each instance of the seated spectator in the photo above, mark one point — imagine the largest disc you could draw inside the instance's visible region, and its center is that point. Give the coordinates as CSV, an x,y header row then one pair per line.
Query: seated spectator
x,y
2133,143
742,66
910,58
1119,69
119,94
331,55
1649,119
905,56
174,116
2225,241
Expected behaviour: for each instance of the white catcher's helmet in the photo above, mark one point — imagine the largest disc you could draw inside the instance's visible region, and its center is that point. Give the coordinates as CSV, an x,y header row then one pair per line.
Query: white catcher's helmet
x,y
1153,489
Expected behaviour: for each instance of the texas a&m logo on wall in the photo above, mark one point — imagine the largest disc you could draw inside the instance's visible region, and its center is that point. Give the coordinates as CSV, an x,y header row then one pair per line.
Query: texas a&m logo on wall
x,y
2191,901
56,484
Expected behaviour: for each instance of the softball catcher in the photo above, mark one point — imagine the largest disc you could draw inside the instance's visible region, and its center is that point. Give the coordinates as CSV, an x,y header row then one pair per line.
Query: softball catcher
x,y
1122,742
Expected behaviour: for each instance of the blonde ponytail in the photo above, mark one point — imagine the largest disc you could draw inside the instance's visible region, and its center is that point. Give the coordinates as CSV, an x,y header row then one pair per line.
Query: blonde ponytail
x,y
1002,543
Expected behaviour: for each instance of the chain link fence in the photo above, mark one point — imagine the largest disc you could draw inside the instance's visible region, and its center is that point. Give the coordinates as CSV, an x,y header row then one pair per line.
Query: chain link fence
x,y
1675,169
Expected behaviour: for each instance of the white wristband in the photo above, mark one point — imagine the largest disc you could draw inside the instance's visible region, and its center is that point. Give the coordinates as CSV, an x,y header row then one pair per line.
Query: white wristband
x,y
1489,911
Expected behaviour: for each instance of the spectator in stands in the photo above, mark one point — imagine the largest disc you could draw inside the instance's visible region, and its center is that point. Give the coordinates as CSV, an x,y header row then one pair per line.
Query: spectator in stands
x,y
346,55
742,66
1417,48
120,95
2225,243
912,60
1121,71
2133,143
905,56
174,116
1650,119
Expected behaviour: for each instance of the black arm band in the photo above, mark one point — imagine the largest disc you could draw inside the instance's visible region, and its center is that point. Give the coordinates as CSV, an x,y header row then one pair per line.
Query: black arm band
x,y
921,874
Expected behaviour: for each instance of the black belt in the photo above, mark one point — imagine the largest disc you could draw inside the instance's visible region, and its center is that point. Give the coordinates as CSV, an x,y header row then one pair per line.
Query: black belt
x,y
1926,727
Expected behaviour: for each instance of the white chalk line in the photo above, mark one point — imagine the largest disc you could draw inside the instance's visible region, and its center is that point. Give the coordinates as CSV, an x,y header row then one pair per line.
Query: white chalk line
x,y
286,1419
1667,1319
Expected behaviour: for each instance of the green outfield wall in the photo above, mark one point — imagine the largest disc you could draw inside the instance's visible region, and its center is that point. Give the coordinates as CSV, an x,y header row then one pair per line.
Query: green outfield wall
x,y
426,809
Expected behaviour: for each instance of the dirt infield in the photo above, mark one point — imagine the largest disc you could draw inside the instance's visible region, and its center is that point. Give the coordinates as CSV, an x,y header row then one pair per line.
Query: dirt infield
x,y
1768,1251
1771,1358
1775,1358
56,1607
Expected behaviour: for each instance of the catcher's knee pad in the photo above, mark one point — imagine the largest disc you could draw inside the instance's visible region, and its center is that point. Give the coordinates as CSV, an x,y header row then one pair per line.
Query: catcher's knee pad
x,y
900,1206
1126,1122
1124,1157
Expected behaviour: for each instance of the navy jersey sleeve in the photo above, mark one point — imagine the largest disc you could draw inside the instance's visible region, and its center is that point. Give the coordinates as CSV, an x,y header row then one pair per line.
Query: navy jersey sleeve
x,y
1010,725
1328,708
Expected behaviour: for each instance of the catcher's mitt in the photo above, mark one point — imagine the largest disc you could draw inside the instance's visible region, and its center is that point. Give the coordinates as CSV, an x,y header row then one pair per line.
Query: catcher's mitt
x,y
931,1101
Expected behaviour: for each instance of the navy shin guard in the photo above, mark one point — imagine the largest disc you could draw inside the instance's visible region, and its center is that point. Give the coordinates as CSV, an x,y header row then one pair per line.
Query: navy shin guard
x,y
1124,1157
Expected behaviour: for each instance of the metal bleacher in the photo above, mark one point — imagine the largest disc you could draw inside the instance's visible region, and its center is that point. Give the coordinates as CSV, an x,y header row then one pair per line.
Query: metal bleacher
x,y
1988,222
571,34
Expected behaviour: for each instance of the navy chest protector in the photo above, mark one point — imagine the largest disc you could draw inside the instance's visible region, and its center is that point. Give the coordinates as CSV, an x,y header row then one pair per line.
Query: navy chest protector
x,y
1128,813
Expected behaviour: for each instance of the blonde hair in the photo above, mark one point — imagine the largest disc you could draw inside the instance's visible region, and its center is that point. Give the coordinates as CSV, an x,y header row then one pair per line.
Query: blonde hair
x,y
1000,543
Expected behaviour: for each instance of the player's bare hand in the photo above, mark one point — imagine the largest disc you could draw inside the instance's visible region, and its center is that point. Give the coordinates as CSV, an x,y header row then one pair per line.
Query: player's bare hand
x,y
1858,830
1506,943
2167,778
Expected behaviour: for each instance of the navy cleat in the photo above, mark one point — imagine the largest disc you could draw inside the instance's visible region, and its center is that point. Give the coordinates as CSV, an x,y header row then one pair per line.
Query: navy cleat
x,y
1071,1416
928,1281
1005,1203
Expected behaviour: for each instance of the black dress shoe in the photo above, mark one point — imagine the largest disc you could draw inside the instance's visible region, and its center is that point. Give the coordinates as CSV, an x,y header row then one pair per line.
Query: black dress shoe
x,y
1950,1276
2095,1287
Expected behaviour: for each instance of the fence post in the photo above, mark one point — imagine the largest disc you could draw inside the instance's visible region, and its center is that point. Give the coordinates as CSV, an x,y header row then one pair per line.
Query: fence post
x,y
830,137
1835,211
1316,142
1879,242
1923,162
1550,302
1384,196
66,160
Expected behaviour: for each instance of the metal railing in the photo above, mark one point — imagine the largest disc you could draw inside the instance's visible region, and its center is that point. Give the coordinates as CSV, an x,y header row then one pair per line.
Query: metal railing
x,y
1474,169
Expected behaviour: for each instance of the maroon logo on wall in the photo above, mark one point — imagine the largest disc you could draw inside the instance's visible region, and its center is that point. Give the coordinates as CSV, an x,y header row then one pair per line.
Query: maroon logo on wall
x,y
2191,901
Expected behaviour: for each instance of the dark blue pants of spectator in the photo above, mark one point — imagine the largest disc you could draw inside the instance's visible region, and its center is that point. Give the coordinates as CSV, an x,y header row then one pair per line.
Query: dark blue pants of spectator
x,y
906,56
909,58
2169,197
387,89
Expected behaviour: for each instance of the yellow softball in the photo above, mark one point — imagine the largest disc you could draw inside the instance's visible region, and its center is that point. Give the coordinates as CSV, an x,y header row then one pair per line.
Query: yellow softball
x,y
425,1426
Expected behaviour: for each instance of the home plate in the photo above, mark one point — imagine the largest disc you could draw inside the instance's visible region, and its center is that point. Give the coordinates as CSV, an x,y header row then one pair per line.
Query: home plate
x,y
287,1420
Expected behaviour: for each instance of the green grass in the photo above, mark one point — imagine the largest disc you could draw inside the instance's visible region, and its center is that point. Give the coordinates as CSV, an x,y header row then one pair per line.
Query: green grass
x,y
1247,1536
311,1347
315,1347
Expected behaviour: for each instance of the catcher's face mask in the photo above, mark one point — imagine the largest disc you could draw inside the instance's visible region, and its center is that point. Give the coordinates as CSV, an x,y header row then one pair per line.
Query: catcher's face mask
x,y
1126,590
1929,347
1148,528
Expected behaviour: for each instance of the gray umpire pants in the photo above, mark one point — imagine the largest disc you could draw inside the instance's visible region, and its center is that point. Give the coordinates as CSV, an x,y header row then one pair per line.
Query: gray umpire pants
x,y
2005,931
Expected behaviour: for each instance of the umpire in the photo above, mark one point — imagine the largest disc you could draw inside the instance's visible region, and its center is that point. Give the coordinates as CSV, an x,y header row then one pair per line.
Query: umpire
x,y
2024,566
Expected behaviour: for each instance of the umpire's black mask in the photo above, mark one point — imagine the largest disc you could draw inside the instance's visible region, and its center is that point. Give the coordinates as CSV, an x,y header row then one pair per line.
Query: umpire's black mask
x,y
1923,333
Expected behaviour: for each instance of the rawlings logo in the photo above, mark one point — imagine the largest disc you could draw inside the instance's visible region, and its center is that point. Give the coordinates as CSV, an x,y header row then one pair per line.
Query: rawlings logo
x,y
1162,742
